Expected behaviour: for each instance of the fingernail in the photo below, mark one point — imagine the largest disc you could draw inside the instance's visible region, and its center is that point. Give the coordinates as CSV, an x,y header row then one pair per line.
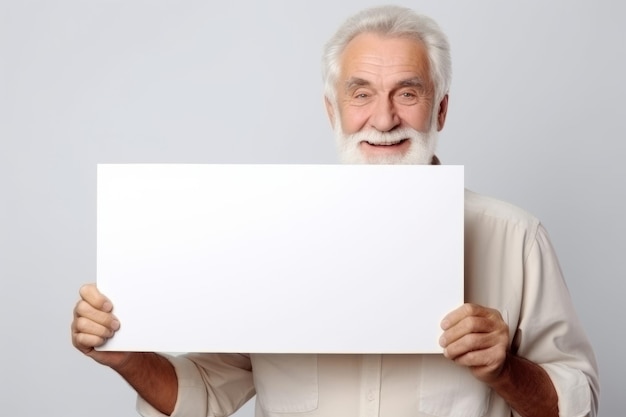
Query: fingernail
x,y
107,306
115,325
442,341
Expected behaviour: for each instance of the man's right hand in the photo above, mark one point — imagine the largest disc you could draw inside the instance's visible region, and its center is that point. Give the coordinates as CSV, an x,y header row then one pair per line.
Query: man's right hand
x,y
151,375
94,323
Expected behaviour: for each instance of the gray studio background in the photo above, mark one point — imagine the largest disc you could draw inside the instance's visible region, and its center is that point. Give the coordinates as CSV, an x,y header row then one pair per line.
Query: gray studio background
x,y
537,116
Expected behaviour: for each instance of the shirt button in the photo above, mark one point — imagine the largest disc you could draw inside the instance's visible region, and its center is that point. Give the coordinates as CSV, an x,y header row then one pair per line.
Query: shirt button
x,y
371,396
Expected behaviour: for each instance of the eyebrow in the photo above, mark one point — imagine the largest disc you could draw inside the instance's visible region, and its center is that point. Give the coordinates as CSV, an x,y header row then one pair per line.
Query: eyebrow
x,y
355,82
411,82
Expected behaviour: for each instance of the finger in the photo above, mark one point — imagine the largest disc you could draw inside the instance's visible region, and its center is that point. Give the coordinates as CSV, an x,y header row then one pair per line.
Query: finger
x,y
85,310
87,342
470,325
484,364
491,357
91,294
86,326
466,310
474,342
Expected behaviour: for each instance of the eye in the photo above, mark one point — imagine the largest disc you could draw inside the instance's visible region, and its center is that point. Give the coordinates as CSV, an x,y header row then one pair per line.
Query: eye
x,y
407,97
360,97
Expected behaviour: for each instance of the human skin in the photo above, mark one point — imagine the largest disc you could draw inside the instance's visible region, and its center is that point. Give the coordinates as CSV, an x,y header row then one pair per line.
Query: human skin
x,y
151,375
477,337
384,84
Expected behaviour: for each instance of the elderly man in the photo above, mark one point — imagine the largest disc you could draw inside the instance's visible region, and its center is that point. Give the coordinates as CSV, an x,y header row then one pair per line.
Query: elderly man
x,y
516,347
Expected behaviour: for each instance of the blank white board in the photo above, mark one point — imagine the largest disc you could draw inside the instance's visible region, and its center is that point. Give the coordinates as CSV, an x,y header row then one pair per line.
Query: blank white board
x,y
280,258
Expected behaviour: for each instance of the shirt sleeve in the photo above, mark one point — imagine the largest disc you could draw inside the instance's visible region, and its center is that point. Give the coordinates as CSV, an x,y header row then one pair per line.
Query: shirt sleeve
x,y
551,335
209,385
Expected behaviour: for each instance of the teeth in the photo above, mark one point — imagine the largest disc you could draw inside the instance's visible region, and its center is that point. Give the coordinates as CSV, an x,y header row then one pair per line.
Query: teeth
x,y
385,143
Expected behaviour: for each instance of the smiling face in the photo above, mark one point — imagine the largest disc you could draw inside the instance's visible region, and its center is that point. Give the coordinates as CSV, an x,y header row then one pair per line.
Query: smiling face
x,y
384,109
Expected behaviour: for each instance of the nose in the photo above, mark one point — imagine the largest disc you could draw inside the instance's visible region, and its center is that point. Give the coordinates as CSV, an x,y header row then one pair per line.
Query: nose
x,y
384,116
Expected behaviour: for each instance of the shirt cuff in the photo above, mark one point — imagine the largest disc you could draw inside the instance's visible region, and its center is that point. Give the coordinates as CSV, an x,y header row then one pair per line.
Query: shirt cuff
x,y
572,388
192,397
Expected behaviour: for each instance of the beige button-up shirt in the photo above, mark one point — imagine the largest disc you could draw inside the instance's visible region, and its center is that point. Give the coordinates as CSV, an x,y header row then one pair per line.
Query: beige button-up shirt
x,y
510,265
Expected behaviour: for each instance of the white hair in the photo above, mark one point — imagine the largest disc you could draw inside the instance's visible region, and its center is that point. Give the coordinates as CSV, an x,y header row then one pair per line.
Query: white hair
x,y
391,21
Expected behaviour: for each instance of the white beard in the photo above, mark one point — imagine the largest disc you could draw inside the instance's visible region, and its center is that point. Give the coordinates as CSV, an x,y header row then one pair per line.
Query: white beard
x,y
421,150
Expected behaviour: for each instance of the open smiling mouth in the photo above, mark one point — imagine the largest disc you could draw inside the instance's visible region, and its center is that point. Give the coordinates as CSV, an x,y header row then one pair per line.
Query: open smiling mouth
x,y
398,142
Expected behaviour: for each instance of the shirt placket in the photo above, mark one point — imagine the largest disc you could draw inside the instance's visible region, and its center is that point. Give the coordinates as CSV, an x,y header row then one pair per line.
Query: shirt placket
x,y
370,385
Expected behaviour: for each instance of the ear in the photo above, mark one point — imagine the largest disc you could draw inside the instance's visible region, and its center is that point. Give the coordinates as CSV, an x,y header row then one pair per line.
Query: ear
x,y
443,111
330,111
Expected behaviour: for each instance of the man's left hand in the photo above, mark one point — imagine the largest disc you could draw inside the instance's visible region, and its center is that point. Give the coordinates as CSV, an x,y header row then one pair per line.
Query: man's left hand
x,y
476,337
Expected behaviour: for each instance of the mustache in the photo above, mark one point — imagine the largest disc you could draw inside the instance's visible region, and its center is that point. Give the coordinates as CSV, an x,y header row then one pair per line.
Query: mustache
x,y
392,137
